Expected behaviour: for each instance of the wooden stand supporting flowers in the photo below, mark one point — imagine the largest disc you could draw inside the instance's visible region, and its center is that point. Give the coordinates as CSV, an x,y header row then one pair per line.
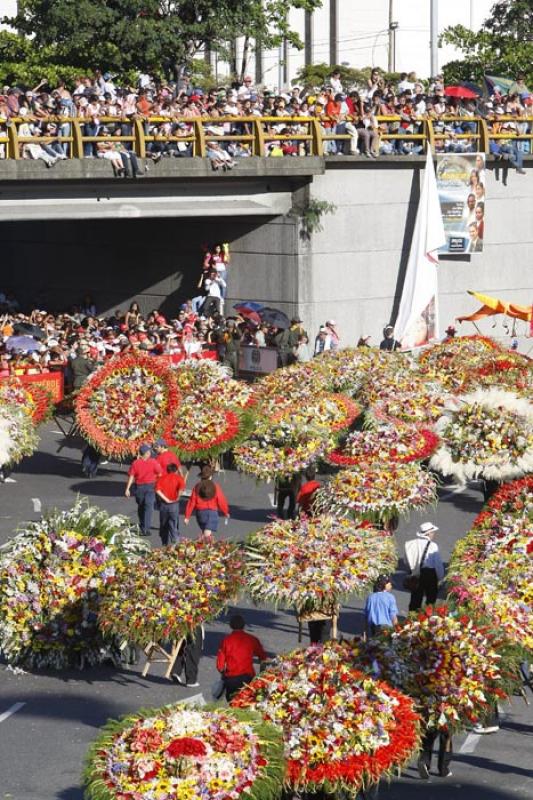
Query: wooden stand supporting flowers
x,y
311,565
342,730
169,593
181,753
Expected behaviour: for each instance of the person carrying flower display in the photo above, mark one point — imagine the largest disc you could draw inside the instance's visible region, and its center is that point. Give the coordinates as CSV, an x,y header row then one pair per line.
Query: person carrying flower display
x,y
207,500
168,489
444,757
188,659
424,560
381,610
235,657
307,491
144,472
164,456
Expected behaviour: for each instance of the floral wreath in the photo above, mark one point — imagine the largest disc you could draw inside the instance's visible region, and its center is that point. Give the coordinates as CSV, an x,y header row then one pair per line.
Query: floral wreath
x,y
32,398
209,381
311,564
342,729
126,402
386,443
171,591
183,752
51,575
267,461
18,437
205,431
453,359
490,435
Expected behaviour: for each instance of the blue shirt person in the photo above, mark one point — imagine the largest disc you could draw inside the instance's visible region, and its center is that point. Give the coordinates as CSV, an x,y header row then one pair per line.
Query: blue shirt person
x,y
381,610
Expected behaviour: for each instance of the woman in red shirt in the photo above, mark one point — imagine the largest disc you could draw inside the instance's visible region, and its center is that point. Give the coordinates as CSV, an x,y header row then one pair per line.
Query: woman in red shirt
x,y
206,499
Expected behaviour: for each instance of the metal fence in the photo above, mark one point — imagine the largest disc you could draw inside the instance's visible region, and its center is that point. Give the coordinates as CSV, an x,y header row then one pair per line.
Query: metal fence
x,y
257,133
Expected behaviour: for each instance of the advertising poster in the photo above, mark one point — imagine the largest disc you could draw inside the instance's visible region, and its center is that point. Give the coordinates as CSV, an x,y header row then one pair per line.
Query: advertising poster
x,y
461,188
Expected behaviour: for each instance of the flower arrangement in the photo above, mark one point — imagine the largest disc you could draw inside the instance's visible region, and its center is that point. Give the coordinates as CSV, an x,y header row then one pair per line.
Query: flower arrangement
x,y
423,406
125,403
311,564
507,370
170,592
490,435
32,398
51,576
259,457
397,376
448,664
205,381
453,359
376,492
342,730
186,753
347,370
200,431
18,437
384,444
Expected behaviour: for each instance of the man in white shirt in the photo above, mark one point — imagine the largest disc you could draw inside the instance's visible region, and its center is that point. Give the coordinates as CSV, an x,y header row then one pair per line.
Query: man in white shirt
x,y
422,555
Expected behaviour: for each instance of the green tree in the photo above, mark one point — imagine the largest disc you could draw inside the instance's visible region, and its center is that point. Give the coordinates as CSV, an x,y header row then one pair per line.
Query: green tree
x,y
503,45
159,36
318,74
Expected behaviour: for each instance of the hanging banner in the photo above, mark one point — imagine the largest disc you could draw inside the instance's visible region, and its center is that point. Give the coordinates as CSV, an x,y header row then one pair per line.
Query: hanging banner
x,y
461,188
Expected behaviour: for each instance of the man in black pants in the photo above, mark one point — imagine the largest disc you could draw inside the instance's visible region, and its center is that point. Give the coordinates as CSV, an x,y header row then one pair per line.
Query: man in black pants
x,y
444,756
422,555
189,659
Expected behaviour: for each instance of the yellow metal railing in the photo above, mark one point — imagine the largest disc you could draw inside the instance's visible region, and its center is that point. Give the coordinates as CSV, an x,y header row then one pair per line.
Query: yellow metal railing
x,y
312,137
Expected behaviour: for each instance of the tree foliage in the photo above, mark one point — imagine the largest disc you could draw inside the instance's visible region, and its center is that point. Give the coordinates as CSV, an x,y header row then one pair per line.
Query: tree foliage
x,y
316,75
158,36
503,46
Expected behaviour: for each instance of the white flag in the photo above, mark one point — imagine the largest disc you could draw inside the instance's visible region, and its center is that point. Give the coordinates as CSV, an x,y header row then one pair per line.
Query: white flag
x,y
418,314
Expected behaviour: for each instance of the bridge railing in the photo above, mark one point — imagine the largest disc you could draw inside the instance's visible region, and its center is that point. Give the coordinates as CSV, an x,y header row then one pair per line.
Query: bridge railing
x,y
313,136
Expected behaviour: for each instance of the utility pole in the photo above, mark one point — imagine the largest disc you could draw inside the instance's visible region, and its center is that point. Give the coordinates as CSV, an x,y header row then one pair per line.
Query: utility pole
x,y
393,26
333,32
471,15
308,38
433,37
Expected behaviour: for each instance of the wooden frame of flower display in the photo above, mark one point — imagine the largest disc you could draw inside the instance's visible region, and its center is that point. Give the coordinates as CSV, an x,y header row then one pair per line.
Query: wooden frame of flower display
x,y
169,593
312,564
450,665
313,693
490,435
181,751
51,577
126,403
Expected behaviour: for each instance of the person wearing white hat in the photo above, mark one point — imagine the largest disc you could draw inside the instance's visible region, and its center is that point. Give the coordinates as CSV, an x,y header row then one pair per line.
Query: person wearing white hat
x,y
423,557
331,327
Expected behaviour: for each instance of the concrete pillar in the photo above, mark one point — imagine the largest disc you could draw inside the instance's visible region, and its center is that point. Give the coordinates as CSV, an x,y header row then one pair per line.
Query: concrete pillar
x,y
308,38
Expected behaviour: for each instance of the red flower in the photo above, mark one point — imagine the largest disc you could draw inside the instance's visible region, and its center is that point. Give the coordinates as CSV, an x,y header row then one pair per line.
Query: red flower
x,y
186,746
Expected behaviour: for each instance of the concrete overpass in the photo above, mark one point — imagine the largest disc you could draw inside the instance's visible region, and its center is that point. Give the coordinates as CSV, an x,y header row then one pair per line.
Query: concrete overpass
x,y
74,229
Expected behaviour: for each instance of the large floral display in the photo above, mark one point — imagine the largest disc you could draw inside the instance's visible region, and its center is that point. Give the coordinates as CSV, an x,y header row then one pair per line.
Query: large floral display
x,y
125,403
342,729
444,661
491,568
454,359
207,381
490,435
51,576
18,437
312,564
31,397
167,594
385,444
183,753
377,492
204,431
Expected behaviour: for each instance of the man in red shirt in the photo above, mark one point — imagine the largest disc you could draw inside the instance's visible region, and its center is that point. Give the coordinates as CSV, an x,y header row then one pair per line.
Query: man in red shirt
x,y
306,495
143,473
168,489
164,456
235,658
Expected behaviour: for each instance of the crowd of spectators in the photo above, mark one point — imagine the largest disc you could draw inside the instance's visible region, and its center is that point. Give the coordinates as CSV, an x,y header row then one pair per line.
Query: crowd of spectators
x,y
109,108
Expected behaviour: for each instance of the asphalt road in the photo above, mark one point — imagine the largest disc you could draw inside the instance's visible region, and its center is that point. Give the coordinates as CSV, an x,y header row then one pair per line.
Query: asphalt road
x,y
47,720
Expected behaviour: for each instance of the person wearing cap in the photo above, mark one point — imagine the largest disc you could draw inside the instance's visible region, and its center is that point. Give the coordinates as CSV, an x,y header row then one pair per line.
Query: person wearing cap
x,y
424,560
164,456
144,473
389,343
381,610
168,489
331,327
235,657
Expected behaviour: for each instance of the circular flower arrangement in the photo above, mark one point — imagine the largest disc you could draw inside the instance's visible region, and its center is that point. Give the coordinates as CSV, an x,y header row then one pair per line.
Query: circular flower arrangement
x,y
396,376
184,753
506,370
347,370
453,359
374,492
18,437
421,407
170,592
311,564
445,662
489,436
342,730
125,403
259,457
206,381
204,431
322,414
385,444
51,575
32,398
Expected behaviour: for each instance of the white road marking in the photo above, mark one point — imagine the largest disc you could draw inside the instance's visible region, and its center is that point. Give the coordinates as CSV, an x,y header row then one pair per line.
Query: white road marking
x,y
58,433
454,488
470,743
36,505
10,711
196,699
